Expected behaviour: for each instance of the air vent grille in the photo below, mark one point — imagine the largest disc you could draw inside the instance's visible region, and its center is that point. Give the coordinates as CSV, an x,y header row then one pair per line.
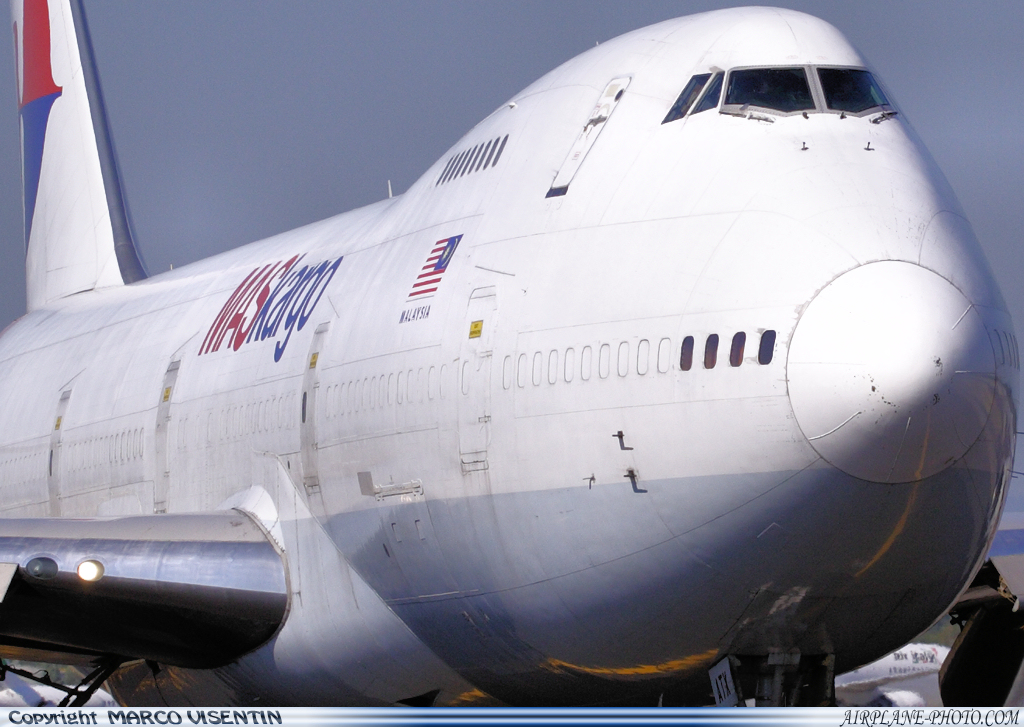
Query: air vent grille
x,y
483,155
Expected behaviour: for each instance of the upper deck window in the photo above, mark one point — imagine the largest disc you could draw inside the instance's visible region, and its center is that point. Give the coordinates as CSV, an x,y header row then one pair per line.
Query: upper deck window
x,y
850,90
687,97
777,89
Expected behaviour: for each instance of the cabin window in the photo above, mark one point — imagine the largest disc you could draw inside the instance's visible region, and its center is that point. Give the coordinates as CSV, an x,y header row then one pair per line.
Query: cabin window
x,y
687,97
604,360
711,351
850,90
506,373
766,349
664,355
736,350
643,357
777,89
686,355
623,361
711,95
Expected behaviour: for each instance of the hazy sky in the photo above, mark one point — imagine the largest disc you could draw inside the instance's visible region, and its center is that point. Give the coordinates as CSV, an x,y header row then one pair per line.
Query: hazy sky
x,y
237,120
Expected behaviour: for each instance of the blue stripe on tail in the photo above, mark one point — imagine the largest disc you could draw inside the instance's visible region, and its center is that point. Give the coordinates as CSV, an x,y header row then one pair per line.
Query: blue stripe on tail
x,y
34,117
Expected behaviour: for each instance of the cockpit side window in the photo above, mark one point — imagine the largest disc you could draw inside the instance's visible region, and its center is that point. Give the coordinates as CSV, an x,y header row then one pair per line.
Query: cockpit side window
x,y
710,98
778,89
850,90
687,97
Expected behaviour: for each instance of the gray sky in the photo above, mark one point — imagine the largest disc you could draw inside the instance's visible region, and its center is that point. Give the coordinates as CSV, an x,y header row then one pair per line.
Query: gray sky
x,y
234,120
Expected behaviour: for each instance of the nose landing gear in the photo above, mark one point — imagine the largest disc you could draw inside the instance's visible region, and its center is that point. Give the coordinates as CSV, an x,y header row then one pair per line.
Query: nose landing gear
x,y
784,679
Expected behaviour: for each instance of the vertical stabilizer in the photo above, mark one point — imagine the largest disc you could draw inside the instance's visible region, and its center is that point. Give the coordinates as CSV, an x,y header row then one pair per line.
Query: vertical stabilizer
x,y
76,227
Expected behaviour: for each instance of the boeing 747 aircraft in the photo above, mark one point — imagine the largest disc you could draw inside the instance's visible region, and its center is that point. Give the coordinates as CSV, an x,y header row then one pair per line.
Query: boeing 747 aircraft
x,y
681,378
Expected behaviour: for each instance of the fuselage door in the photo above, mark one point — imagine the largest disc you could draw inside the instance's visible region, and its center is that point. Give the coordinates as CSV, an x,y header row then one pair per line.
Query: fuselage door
x,y
606,104
307,422
162,481
475,379
53,465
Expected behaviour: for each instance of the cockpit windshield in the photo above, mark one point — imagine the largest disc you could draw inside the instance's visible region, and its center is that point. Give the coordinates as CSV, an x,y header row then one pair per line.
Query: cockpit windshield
x,y
764,94
778,89
710,98
687,97
850,90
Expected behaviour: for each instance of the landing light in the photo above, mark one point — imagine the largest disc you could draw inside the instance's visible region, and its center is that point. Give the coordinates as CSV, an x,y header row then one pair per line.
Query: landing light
x,y
42,567
90,570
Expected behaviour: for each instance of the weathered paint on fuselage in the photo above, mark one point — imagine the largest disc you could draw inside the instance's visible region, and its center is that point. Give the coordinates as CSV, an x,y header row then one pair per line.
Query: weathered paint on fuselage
x,y
502,525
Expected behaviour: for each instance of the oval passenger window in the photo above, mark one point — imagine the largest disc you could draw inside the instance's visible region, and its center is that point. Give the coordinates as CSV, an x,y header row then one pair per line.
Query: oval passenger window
x,y
736,352
711,351
766,349
686,354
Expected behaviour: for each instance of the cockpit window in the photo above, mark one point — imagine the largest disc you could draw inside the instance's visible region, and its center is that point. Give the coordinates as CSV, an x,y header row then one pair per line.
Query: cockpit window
x,y
851,90
687,97
710,98
778,89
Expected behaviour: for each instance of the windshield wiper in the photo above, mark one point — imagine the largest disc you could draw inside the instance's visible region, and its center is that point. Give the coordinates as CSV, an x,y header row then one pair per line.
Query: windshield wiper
x,y
883,116
745,112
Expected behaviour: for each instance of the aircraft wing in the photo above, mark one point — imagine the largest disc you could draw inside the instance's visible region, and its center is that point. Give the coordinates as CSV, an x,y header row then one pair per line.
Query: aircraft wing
x,y
191,590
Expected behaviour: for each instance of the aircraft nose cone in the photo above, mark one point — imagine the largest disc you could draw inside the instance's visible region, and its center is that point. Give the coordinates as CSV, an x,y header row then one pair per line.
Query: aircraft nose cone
x,y
891,373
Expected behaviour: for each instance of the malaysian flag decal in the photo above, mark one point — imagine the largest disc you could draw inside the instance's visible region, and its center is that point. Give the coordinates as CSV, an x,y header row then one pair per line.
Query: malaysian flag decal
x,y
437,262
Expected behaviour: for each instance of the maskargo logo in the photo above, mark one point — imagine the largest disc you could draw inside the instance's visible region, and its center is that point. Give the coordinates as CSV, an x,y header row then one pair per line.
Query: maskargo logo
x,y
272,302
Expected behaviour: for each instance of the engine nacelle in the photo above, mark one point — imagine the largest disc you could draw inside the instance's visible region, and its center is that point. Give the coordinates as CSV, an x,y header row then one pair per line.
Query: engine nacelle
x,y
983,668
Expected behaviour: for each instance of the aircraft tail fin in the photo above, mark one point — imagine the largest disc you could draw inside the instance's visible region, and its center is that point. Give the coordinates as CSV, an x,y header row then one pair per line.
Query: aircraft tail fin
x,y
77,233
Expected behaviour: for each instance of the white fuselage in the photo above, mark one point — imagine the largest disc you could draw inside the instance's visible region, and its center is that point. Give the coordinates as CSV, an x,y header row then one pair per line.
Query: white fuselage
x,y
457,508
